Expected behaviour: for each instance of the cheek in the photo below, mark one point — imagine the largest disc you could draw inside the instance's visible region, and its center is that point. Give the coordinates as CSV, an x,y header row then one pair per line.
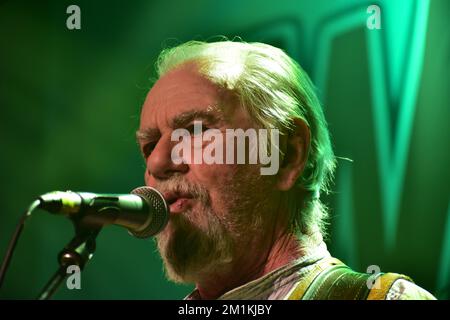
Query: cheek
x,y
213,176
221,181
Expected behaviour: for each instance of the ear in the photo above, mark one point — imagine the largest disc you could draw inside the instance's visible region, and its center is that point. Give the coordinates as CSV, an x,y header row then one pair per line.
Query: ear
x,y
296,147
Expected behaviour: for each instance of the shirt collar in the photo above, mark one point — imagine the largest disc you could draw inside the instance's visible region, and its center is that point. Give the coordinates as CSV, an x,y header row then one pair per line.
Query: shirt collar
x,y
277,283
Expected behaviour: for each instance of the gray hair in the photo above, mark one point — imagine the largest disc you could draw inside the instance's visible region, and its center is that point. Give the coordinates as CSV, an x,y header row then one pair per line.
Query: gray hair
x,y
273,89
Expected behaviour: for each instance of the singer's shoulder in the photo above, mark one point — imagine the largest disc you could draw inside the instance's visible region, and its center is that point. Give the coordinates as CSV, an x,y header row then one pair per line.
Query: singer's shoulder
x,y
403,289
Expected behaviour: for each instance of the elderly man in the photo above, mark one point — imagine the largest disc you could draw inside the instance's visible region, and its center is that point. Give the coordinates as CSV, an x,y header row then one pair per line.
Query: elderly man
x,y
236,231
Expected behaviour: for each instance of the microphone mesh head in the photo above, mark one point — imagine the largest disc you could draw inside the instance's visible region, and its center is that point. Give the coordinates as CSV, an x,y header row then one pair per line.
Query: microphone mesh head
x,y
159,213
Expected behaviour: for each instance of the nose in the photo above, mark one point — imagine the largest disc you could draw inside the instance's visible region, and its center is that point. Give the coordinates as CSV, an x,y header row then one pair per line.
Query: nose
x,y
159,163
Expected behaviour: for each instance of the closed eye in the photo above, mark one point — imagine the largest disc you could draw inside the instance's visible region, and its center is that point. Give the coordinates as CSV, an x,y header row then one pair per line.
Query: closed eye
x,y
196,129
148,148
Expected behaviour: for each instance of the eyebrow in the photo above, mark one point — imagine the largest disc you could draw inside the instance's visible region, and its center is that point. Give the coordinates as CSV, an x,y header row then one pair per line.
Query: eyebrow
x,y
211,116
185,118
147,134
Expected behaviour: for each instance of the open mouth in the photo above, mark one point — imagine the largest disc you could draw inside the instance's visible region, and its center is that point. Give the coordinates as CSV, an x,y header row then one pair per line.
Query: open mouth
x,y
178,202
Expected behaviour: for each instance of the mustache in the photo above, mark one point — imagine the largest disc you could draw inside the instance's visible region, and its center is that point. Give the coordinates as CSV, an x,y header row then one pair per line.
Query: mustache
x,y
178,184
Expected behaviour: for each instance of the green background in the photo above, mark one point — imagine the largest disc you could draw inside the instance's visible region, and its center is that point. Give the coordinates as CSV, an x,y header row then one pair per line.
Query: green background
x,y
70,102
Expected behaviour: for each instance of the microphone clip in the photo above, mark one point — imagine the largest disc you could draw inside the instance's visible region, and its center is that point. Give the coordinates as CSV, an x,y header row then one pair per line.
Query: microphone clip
x,y
77,252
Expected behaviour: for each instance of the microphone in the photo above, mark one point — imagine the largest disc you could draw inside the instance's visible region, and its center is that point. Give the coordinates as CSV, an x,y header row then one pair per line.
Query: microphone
x,y
144,212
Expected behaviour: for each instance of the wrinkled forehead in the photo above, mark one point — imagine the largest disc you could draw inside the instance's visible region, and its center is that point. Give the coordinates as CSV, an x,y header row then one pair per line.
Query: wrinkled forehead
x,y
180,90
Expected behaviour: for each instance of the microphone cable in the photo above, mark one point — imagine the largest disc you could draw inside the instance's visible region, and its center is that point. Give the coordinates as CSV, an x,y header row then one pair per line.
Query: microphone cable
x,y
13,242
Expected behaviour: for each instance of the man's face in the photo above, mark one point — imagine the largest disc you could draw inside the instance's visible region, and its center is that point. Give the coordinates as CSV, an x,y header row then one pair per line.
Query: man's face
x,y
219,213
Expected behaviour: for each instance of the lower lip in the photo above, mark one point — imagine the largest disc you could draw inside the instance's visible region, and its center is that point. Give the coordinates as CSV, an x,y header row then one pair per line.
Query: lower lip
x,y
182,204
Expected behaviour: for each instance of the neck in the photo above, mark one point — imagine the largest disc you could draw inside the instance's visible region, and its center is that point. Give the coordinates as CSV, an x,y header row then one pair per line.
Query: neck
x,y
284,250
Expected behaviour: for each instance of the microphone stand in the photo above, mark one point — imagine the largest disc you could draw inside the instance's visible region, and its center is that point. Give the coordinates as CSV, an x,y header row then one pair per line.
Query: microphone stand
x,y
77,252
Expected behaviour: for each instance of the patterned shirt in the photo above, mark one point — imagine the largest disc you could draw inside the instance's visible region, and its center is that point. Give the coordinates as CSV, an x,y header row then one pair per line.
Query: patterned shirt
x,y
279,284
